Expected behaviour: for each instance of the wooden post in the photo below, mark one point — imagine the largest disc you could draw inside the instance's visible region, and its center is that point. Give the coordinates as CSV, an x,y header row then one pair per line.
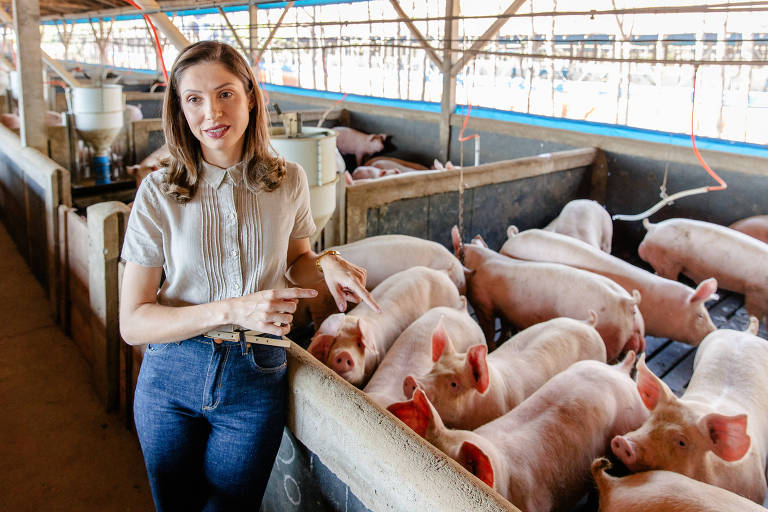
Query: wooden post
x,y
253,33
26,18
448,100
106,228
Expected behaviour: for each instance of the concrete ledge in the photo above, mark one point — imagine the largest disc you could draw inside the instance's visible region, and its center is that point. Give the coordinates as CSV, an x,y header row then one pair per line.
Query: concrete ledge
x,y
385,464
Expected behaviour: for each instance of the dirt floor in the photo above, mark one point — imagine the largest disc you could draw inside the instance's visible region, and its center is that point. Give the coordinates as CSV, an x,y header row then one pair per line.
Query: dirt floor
x,y
60,450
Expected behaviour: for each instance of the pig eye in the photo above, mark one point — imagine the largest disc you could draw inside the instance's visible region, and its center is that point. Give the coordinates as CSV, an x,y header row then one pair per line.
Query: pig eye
x,y
453,384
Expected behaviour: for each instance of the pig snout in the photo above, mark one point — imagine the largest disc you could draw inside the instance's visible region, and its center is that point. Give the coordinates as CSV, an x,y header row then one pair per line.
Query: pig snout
x,y
342,362
624,450
409,386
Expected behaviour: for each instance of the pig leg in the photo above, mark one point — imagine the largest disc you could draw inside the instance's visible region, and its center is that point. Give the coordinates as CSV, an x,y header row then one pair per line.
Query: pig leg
x,y
487,321
756,302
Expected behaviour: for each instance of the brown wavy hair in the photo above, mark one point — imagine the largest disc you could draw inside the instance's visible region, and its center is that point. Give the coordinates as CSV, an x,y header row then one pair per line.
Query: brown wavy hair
x,y
263,170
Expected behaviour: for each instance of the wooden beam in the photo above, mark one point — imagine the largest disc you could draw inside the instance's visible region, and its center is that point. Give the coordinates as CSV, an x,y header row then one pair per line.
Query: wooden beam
x,y
272,33
163,24
26,14
253,33
483,40
234,32
448,98
417,34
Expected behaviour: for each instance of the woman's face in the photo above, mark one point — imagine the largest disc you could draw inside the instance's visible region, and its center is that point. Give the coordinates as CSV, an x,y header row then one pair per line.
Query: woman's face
x,y
216,106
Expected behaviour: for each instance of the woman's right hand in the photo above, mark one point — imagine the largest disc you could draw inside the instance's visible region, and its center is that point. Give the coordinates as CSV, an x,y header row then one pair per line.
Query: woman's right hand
x,y
269,311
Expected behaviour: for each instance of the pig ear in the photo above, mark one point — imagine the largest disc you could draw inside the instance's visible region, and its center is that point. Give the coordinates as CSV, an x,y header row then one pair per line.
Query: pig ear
x,y
512,231
441,343
416,413
754,325
320,346
477,462
478,240
704,291
636,297
363,334
456,239
728,434
651,388
332,324
592,320
476,358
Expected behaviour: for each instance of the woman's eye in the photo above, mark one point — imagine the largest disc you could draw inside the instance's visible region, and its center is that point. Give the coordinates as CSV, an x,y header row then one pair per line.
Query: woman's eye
x,y
226,94
193,99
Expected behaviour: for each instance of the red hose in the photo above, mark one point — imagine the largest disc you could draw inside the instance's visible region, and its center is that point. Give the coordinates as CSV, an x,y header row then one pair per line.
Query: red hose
x,y
462,138
157,40
723,185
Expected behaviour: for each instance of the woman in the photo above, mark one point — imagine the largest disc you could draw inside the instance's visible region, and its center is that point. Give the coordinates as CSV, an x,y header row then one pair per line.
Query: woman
x,y
226,221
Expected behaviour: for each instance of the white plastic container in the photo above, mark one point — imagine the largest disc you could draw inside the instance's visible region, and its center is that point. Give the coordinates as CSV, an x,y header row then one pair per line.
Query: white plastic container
x,y
315,150
98,120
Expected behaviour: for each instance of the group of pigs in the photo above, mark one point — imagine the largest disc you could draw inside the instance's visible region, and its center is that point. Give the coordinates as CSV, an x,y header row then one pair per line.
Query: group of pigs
x,y
354,142
534,417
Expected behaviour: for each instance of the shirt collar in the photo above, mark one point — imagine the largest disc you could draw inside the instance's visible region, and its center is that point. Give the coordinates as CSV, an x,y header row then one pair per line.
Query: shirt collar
x,y
214,175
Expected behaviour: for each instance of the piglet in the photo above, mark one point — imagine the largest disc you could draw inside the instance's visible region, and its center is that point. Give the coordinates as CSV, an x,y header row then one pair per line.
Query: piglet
x,y
756,227
354,142
669,309
585,220
524,293
383,256
717,432
157,159
470,389
416,348
663,491
395,163
701,250
354,344
366,172
538,455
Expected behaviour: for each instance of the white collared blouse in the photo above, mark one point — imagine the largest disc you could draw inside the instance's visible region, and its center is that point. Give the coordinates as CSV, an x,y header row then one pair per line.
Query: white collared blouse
x,y
225,242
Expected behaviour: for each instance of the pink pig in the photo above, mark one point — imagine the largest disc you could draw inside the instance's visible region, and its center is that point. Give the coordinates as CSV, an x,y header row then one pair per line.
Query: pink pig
x,y
365,172
756,227
154,161
701,250
472,388
585,220
388,162
383,256
354,344
538,455
663,491
669,309
414,351
354,142
718,431
524,293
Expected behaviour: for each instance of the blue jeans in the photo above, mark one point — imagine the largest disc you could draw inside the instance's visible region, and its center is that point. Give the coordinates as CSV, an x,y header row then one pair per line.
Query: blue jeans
x,y
210,419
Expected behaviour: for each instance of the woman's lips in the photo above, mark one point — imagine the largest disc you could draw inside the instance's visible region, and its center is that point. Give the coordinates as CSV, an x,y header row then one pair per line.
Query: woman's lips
x,y
217,132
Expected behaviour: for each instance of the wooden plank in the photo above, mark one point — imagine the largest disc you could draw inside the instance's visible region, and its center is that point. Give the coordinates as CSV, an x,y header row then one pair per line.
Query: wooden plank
x,y
599,178
232,29
272,33
417,34
141,130
489,34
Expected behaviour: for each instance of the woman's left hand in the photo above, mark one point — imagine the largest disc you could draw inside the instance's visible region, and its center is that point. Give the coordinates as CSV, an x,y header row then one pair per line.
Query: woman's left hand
x,y
346,282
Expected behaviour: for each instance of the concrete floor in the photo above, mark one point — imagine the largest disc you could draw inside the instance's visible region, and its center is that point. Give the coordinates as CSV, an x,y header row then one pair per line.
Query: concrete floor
x,y
60,450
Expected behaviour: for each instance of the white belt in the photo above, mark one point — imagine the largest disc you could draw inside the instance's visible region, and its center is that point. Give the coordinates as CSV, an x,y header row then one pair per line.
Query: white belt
x,y
250,337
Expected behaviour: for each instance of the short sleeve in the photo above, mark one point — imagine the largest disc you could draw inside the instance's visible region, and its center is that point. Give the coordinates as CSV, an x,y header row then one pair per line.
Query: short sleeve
x,y
303,224
143,242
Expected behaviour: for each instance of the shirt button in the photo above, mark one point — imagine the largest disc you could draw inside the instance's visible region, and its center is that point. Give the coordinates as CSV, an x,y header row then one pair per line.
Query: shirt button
x,y
231,216
234,252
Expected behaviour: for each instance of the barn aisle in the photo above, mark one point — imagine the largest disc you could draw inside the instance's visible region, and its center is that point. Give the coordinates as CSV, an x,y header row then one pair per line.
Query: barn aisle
x,y
61,451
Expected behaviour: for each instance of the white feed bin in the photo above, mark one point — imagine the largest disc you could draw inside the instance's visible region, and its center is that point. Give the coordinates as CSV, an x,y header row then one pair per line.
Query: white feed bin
x,y
98,119
315,150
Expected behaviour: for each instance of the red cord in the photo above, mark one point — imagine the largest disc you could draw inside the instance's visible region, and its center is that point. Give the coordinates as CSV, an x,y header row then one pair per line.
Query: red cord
x,y
157,41
462,138
58,82
723,185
